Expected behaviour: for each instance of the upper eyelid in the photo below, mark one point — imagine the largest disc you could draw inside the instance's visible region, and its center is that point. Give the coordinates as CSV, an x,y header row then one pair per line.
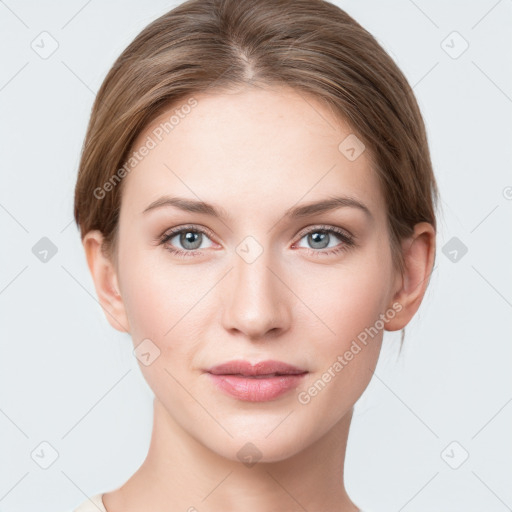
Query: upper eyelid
x,y
193,227
330,229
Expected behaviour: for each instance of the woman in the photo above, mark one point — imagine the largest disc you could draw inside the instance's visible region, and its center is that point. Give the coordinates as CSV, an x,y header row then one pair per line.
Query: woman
x,y
257,205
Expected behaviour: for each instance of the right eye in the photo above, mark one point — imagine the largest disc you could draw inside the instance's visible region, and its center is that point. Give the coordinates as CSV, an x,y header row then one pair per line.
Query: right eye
x,y
189,238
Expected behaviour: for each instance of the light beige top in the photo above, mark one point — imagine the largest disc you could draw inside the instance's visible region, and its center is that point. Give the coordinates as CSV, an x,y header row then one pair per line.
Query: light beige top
x,y
93,504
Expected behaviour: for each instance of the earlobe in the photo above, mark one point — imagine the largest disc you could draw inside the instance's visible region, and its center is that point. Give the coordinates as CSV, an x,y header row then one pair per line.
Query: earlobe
x,y
419,254
105,281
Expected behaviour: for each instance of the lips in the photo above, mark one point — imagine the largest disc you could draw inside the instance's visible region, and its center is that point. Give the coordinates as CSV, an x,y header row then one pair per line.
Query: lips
x,y
258,370
261,382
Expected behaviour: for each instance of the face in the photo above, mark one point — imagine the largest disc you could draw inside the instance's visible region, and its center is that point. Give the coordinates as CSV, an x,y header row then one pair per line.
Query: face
x,y
265,279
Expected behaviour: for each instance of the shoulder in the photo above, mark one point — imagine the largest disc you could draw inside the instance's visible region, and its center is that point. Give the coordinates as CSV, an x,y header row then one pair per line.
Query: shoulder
x,y
93,504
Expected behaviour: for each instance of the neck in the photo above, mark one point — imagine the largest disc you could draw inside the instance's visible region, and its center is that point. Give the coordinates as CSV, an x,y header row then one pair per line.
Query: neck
x,y
180,473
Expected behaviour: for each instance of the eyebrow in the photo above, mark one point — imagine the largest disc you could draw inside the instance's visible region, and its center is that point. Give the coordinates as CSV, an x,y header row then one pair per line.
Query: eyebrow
x,y
304,210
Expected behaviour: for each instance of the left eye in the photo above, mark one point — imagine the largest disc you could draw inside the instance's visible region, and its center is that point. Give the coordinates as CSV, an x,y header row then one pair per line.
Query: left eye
x,y
322,238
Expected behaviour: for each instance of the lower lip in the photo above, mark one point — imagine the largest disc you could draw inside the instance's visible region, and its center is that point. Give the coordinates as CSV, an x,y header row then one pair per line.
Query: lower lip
x,y
251,389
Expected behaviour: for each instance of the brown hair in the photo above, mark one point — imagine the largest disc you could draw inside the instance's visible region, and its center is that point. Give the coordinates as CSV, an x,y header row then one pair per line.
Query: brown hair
x,y
309,45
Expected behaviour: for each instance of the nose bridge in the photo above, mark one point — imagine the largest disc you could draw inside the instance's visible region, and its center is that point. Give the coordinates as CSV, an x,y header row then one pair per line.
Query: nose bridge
x,y
257,302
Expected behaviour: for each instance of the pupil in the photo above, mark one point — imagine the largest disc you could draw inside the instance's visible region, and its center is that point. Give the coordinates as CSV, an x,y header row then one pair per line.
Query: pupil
x,y
319,240
191,237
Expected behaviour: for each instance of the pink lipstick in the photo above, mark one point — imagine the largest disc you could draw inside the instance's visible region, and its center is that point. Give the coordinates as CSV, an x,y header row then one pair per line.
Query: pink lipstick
x,y
260,382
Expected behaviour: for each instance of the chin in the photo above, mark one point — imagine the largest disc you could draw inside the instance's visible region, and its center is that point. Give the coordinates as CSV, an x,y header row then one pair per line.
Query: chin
x,y
254,447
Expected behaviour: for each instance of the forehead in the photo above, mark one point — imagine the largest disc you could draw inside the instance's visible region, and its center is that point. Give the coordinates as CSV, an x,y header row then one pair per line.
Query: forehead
x,y
273,145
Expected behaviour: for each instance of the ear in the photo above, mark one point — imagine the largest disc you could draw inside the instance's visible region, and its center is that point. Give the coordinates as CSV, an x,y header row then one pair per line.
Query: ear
x,y
419,254
105,279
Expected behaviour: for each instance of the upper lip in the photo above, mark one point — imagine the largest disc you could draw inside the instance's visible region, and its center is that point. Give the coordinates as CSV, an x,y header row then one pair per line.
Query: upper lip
x,y
240,367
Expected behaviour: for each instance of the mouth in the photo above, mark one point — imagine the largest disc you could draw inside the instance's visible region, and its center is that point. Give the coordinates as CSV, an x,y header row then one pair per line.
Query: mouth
x,y
261,382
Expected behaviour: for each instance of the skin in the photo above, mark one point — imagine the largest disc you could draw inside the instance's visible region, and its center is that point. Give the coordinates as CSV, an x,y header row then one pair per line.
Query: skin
x,y
255,153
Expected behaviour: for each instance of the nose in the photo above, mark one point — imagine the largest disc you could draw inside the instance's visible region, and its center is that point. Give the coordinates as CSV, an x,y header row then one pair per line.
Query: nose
x,y
259,303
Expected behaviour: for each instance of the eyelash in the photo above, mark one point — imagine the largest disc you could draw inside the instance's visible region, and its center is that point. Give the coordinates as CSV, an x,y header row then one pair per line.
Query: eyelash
x,y
346,239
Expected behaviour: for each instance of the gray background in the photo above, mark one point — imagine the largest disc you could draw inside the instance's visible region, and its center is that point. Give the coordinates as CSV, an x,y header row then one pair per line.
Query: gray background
x,y
68,379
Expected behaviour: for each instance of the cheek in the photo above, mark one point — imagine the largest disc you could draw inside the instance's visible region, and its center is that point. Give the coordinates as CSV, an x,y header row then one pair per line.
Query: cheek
x,y
347,298
159,304
155,296
350,304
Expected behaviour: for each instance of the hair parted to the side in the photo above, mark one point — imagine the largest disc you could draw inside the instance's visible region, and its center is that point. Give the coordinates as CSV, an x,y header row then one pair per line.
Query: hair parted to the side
x,y
311,46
